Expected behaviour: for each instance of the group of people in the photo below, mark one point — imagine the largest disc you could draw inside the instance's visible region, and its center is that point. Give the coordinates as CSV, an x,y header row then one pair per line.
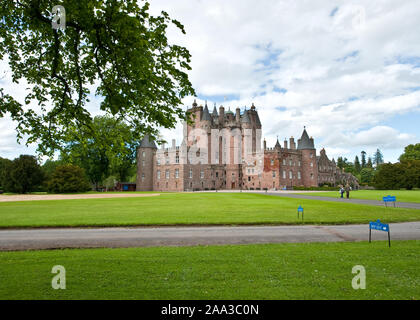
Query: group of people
x,y
345,189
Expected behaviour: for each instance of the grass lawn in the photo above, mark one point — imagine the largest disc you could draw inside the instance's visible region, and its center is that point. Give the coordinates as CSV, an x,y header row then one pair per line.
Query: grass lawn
x,y
275,271
191,209
402,195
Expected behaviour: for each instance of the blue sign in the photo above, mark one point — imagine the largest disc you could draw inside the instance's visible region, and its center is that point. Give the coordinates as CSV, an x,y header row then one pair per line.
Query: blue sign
x,y
389,199
379,226
125,187
300,209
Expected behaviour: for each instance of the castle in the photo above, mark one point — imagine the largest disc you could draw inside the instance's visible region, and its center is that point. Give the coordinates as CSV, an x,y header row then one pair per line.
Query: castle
x,y
222,150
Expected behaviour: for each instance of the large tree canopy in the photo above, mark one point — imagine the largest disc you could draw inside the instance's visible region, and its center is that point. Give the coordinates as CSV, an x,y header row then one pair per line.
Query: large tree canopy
x,y
110,150
115,46
411,152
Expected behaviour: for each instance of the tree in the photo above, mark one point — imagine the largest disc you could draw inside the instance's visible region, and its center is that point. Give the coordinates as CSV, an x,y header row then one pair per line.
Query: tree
x,y
378,158
49,167
4,167
340,162
405,174
369,163
366,175
23,175
68,178
388,176
363,159
411,176
411,152
357,166
111,149
116,45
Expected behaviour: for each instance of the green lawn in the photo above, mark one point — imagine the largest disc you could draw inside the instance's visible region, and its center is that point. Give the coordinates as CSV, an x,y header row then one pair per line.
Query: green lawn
x,y
402,195
276,271
190,209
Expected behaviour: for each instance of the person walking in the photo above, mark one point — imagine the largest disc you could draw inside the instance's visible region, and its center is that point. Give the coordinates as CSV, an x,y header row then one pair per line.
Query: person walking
x,y
341,191
347,189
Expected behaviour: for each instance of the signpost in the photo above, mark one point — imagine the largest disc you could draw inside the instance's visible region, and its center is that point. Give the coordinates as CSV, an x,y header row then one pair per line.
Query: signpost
x,y
389,199
381,227
300,209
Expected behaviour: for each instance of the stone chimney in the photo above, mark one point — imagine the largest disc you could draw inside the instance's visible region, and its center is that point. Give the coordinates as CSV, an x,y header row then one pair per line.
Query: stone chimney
x,y
221,115
238,115
285,143
292,143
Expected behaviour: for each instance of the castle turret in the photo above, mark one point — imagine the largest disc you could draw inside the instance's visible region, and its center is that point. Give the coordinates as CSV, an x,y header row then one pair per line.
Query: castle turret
x,y
309,163
145,156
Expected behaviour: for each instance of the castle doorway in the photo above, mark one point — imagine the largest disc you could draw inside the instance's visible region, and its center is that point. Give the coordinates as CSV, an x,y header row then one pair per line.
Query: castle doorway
x,y
233,185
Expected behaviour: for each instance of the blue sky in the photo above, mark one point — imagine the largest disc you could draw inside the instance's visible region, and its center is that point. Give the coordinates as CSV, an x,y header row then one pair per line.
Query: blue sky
x,y
349,72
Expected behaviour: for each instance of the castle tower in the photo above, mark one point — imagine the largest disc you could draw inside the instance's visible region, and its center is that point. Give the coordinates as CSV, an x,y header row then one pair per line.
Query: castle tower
x,y
309,163
145,158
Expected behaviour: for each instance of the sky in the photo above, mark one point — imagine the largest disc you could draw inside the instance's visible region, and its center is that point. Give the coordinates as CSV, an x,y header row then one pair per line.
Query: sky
x,y
347,70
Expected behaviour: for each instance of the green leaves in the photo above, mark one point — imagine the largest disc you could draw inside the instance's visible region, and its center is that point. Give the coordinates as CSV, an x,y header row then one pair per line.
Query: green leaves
x,y
114,44
109,147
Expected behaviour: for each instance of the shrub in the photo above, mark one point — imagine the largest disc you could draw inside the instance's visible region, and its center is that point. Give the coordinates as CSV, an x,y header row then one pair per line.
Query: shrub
x,y
405,174
67,179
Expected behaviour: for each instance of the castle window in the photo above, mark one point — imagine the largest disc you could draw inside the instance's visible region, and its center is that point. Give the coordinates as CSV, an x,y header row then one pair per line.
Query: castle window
x,y
312,175
191,173
143,154
284,174
299,175
290,163
176,173
158,162
142,177
202,174
312,164
167,174
142,163
249,178
217,174
299,164
290,175
272,162
177,159
167,161
158,174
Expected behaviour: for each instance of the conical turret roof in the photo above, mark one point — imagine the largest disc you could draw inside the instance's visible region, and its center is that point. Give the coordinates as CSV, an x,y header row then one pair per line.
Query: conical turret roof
x,y
304,142
147,142
206,114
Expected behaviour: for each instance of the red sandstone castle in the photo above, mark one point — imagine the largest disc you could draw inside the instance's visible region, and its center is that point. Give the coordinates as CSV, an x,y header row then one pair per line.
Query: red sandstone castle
x,y
222,150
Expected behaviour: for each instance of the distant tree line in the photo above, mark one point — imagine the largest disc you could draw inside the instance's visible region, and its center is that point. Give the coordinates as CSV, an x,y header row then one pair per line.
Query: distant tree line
x,y
363,169
374,172
91,159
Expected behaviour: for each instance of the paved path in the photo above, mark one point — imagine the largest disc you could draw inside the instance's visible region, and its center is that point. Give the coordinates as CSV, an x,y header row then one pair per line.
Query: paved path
x,y
184,236
408,205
